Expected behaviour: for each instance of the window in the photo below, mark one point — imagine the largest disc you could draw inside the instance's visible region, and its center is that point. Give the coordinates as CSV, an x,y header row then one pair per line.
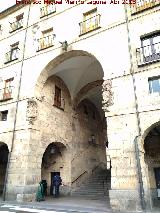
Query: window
x,y
154,84
48,9
141,5
17,24
150,50
91,21
47,39
3,115
57,97
13,53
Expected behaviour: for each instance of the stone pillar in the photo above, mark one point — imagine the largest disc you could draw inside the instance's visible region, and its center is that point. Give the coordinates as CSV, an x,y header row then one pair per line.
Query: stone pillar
x,y
124,193
121,132
20,179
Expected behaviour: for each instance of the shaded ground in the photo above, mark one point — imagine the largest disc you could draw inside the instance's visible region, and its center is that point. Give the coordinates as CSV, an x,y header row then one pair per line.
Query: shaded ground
x,y
61,205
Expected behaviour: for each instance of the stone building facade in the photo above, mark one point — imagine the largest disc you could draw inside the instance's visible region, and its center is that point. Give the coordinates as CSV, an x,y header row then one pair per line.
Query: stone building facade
x,y
73,78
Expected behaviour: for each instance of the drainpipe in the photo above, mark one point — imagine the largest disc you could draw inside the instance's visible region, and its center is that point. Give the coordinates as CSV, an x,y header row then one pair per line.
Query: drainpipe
x,y
17,102
137,155
140,179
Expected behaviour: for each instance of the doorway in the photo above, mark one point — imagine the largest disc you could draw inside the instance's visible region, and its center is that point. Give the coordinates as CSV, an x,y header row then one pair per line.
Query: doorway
x,y
51,186
157,177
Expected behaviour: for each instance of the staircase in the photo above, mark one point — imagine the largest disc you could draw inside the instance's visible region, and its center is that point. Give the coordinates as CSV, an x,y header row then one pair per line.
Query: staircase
x,y
96,187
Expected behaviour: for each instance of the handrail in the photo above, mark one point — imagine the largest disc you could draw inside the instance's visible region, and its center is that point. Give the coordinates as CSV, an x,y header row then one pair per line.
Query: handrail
x,y
79,177
152,56
150,45
98,166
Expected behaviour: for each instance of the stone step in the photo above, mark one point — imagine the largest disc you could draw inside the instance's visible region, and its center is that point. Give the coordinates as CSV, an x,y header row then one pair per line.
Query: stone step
x,y
96,186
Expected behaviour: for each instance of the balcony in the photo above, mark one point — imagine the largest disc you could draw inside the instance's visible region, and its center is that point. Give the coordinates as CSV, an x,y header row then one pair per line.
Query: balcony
x,y
48,9
45,42
143,5
11,55
6,93
16,25
90,24
148,54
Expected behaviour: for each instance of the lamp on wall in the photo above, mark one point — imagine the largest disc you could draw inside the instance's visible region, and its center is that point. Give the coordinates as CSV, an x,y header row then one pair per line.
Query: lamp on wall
x,y
92,139
52,150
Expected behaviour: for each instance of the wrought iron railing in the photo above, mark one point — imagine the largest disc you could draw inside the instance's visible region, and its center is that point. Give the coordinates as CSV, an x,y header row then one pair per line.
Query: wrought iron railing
x,y
141,5
45,42
16,25
90,24
48,9
148,54
12,55
6,93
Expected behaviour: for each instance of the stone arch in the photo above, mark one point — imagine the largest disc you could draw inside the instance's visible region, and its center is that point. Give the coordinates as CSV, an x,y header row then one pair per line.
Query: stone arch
x,y
65,125
149,161
150,127
58,60
53,139
55,160
84,90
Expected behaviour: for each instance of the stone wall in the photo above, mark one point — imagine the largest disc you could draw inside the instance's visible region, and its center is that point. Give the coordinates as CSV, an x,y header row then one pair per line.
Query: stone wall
x,y
71,127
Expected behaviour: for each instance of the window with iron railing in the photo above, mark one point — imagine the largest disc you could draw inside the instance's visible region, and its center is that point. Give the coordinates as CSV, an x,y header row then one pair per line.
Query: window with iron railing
x,y
13,54
47,10
141,5
150,50
91,21
16,24
45,42
6,92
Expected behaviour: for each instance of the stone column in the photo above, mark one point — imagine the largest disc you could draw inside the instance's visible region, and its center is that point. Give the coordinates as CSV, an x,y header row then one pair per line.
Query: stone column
x,y
121,132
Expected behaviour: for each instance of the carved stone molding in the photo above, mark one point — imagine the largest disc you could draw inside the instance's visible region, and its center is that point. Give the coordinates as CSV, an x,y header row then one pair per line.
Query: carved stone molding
x,y
32,110
107,95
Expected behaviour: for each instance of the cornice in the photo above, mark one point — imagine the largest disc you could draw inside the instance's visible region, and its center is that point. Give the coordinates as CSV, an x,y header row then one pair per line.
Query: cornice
x,y
11,10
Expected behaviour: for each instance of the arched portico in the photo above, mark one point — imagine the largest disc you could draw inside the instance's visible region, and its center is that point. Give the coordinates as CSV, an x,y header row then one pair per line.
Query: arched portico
x,y
70,111
76,130
150,163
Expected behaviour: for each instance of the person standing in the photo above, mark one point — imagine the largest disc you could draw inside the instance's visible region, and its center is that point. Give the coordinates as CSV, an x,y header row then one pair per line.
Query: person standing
x,y
40,192
57,181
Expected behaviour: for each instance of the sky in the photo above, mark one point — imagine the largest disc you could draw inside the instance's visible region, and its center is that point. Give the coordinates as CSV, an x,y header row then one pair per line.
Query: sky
x,y
4,4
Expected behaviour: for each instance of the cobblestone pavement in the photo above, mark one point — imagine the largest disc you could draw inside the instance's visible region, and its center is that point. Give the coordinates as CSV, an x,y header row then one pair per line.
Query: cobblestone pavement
x,y
61,205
